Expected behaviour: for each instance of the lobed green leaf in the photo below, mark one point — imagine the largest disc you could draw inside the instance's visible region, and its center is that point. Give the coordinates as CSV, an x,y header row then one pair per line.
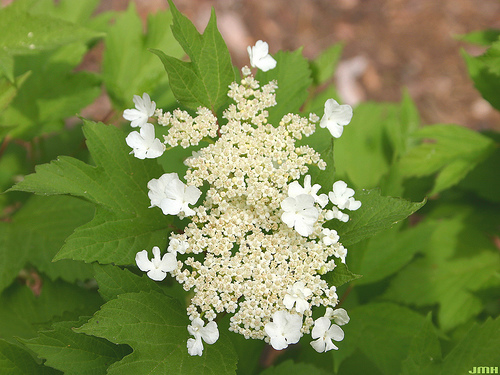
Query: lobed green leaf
x,y
50,221
204,80
123,223
296,368
293,76
75,353
377,326
154,325
128,67
16,361
452,151
376,214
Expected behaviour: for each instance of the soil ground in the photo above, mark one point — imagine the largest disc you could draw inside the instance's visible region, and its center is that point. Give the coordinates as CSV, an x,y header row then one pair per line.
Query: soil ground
x,y
389,45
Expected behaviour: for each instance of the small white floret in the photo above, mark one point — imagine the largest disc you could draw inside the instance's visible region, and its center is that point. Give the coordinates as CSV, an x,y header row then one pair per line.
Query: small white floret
x,y
177,246
144,144
284,329
336,116
209,334
158,267
260,57
330,236
144,109
297,295
335,213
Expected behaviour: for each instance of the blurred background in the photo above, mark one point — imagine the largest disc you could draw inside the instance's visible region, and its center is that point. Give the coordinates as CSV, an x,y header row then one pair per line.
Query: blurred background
x,y
389,45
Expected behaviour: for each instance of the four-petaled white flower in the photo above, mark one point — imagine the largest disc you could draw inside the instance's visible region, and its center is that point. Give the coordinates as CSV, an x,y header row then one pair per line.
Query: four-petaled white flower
x,y
338,315
209,334
177,246
158,267
300,213
297,294
324,331
294,189
336,116
331,236
144,144
341,196
284,329
172,195
260,57
145,108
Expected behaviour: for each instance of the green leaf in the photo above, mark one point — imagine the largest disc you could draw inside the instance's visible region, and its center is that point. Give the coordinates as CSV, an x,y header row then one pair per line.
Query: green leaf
x,y
479,347
22,32
114,281
340,275
293,75
16,361
75,353
290,367
482,181
324,65
364,153
52,92
481,37
387,252
375,214
23,313
9,90
383,332
491,58
75,12
453,151
449,281
484,80
425,352
128,67
123,223
37,232
154,325
204,80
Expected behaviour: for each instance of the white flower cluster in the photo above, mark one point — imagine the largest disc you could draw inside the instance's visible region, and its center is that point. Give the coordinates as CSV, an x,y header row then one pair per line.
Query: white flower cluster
x,y
257,246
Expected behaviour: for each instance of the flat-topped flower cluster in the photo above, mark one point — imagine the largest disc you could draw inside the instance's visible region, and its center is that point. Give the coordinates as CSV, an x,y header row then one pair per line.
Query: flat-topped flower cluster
x,y
256,246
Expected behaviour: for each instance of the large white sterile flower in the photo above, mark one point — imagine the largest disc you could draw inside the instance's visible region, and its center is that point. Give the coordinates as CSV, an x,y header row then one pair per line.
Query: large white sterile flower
x,y
260,57
294,189
158,267
340,316
284,329
336,116
172,195
209,334
145,108
324,331
341,196
297,294
144,144
300,213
